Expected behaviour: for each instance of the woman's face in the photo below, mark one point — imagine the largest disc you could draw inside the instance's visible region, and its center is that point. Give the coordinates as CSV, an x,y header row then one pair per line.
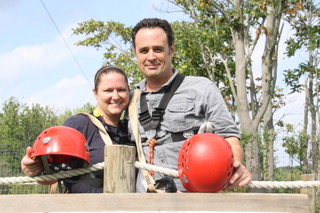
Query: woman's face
x,y
112,95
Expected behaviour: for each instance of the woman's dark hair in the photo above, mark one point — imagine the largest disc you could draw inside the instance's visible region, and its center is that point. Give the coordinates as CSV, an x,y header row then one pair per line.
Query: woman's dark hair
x,y
153,23
107,70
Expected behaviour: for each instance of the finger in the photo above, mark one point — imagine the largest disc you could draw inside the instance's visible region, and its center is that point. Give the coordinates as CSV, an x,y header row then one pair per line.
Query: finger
x,y
236,175
32,173
246,179
242,178
29,151
239,170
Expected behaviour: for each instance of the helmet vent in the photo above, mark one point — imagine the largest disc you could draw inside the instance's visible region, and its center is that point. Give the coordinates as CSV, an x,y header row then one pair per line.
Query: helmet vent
x,y
46,140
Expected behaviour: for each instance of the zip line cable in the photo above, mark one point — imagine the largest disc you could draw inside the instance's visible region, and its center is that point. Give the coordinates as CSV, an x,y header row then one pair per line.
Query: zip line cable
x,y
65,42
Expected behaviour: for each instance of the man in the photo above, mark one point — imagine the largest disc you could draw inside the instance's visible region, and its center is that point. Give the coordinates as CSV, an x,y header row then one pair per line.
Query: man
x,y
195,101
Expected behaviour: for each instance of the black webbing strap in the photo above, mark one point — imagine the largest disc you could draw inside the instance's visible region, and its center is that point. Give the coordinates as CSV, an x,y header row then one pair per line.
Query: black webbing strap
x,y
144,116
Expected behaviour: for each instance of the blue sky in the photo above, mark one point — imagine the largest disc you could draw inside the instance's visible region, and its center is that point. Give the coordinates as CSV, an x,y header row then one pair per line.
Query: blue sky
x,y
37,66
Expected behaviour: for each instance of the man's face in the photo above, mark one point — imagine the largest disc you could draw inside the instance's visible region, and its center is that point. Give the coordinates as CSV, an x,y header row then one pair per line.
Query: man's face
x,y
153,53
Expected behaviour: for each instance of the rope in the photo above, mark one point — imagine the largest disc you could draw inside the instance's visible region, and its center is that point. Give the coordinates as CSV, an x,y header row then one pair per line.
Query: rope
x,y
253,184
284,184
144,166
55,176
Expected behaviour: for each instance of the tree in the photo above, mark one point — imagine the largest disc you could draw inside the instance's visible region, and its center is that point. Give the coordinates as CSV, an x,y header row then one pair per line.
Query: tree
x,y
305,21
87,107
114,37
19,127
242,18
295,144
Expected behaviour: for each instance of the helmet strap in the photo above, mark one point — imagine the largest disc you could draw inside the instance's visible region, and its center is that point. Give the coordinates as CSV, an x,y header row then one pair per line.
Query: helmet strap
x,y
45,163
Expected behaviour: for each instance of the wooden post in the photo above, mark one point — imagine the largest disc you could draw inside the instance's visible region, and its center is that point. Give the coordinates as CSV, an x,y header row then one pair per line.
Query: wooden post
x,y
119,169
311,192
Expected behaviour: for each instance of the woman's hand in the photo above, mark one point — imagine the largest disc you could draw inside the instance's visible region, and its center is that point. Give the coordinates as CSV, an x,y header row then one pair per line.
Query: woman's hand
x,y
31,167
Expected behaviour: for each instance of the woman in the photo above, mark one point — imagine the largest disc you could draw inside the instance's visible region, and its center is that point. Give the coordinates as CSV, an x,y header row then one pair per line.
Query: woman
x,y
111,91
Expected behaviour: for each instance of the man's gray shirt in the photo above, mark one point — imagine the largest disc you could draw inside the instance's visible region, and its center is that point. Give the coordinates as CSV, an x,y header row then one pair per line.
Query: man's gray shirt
x,y
196,100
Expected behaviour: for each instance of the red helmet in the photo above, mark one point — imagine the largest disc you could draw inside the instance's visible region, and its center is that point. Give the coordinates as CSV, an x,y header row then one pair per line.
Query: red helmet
x,y
205,163
61,148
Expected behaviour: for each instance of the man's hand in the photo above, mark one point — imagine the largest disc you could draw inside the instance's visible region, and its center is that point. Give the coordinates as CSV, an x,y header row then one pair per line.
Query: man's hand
x,y
241,176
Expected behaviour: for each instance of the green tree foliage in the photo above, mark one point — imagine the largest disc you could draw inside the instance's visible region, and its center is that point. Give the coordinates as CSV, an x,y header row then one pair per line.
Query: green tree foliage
x,y
20,125
197,47
295,143
115,38
194,47
303,16
304,19
67,113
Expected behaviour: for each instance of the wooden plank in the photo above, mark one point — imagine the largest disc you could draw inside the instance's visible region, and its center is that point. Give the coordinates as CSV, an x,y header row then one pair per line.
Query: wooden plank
x,y
219,202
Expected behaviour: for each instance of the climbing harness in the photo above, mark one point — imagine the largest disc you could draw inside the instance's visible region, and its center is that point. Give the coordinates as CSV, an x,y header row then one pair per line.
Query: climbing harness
x,y
151,123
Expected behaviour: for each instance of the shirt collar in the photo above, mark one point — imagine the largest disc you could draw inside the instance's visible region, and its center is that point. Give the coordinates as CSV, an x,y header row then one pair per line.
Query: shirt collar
x,y
142,84
96,113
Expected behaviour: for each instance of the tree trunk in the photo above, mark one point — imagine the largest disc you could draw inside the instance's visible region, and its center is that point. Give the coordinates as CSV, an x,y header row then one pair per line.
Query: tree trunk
x,y
305,126
268,144
313,112
249,126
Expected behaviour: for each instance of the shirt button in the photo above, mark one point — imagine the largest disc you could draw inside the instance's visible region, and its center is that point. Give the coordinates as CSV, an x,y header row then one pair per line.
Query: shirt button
x,y
163,161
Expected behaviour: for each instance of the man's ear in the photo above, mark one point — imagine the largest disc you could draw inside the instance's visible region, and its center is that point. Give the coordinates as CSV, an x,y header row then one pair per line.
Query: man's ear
x,y
172,49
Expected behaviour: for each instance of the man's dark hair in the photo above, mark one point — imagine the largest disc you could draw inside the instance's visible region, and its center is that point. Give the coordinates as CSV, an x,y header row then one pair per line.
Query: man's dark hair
x,y
153,23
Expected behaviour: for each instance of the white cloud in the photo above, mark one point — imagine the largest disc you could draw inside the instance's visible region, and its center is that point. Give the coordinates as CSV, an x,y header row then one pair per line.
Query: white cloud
x,y
67,93
24,60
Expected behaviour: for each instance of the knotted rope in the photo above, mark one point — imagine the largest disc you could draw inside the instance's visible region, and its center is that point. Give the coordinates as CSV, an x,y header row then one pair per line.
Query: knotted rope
x,y
151,143
158,169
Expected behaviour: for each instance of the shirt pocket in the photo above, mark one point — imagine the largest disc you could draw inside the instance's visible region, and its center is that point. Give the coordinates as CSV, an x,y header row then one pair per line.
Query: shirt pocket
x,y
179,116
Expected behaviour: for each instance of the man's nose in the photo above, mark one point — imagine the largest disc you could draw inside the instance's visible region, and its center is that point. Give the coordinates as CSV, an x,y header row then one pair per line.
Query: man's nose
x,y
151,55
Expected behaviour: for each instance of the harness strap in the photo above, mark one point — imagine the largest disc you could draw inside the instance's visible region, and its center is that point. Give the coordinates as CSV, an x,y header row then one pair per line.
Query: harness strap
x,y
152,122
179,136
102,130
135,131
